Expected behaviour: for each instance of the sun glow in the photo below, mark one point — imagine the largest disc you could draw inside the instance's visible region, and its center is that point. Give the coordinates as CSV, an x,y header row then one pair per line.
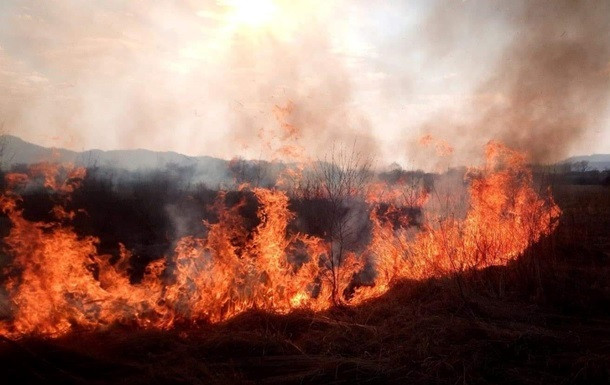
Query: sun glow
x,y
250,13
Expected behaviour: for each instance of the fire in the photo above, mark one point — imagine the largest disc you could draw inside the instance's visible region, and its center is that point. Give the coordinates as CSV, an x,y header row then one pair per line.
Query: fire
x,y
58,282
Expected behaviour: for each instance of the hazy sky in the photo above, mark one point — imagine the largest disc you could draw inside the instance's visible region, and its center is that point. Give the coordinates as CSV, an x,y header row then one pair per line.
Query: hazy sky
x,y
248,78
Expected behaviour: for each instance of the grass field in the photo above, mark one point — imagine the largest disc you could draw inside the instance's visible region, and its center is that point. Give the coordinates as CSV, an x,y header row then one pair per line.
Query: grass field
x,y
542,319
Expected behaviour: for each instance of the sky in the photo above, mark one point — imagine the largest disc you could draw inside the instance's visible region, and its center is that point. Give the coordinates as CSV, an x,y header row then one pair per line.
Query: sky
x,y
292,80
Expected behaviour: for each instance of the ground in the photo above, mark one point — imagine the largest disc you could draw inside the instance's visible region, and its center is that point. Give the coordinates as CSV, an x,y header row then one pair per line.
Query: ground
x,y
544,319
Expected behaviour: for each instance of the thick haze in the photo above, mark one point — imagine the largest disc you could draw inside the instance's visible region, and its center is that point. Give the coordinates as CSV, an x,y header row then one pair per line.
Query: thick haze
x,y
262,78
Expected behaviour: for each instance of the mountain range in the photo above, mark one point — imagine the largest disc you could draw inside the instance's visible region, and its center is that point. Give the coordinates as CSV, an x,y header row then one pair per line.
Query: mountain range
x,y
594,162
213,171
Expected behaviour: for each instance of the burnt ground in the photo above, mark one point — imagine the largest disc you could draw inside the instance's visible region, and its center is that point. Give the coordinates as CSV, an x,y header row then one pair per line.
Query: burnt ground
x,y
545,319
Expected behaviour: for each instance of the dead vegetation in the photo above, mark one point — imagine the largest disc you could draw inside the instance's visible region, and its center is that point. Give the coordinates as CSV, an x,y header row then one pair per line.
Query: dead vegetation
x,y
541,319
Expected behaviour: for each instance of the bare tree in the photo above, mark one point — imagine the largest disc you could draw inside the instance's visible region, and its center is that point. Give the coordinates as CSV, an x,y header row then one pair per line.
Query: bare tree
x,y
255,173
341,179
581,166
3,145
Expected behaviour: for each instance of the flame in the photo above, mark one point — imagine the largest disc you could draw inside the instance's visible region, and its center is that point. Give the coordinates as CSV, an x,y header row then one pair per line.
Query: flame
x,y
58,282
441,147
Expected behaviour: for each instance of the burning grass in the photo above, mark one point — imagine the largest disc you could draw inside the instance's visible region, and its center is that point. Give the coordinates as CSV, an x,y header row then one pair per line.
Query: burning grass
x,y
58,281
419,332
503,300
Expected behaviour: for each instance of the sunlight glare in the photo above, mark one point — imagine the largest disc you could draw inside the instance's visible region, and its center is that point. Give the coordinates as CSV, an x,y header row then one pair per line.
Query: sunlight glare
x,y
250,13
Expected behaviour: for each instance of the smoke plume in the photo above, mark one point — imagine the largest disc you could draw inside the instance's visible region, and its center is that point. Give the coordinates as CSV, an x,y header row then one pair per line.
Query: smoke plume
x,y
550,85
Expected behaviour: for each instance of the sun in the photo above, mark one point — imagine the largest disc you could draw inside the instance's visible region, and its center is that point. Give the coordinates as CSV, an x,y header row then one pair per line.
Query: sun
x,y
250,13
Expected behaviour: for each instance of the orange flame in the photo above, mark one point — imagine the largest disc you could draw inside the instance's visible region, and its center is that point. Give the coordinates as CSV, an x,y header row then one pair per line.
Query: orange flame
x,y
58,282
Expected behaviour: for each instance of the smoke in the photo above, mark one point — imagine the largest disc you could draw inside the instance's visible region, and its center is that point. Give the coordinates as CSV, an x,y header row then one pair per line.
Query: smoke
x,y
308,82
550,85
187,76
183,76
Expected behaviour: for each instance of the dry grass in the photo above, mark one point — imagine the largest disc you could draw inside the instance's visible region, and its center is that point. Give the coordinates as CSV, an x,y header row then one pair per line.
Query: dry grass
x,y
543,319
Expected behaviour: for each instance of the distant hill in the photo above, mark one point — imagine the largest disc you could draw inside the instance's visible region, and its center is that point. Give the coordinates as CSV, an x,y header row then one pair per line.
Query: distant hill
x,y
211,170
594,162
